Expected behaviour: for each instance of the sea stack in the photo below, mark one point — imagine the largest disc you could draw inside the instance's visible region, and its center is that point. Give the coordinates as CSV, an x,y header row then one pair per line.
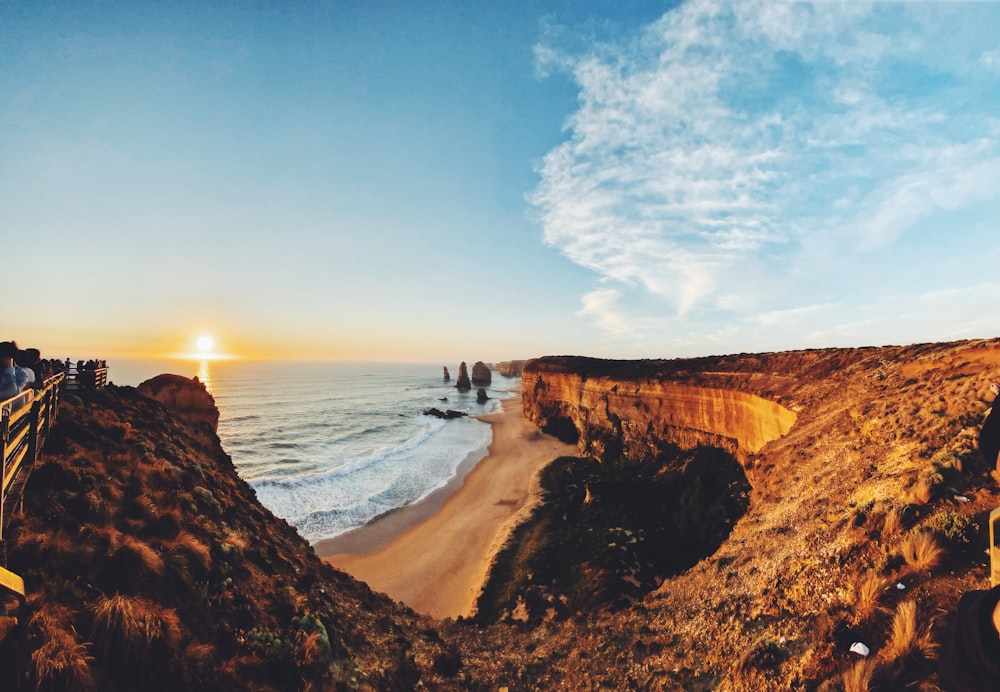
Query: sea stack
x,y
447,375
481,376
481,396
463,384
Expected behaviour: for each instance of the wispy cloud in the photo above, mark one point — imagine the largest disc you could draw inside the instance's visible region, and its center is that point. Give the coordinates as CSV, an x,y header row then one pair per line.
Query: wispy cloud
x,y
728,141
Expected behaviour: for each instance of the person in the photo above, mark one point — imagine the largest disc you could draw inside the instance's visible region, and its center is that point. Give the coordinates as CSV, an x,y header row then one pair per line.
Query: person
x,y
989,434
969,658
12,378
27,359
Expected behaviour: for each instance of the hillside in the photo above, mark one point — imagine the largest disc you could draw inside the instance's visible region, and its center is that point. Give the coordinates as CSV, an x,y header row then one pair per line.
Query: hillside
x,y
859,490
151,565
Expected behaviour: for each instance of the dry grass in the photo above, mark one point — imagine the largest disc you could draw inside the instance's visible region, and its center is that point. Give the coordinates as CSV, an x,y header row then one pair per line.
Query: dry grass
x,y
61,662
892,525
858,678
921,492
190,544
921,551
868,588
906,637
134,635
150,562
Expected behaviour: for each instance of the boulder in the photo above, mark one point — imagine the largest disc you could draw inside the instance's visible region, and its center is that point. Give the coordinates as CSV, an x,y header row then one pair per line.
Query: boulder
x,y
481,376
188,397
481,396
463,384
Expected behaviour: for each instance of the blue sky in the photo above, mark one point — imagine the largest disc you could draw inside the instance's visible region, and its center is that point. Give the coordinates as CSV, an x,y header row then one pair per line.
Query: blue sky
x,y
442,181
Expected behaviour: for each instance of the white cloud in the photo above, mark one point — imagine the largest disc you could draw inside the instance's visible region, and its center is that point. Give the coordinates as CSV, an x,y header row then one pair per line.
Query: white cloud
x,y
601,306
729,140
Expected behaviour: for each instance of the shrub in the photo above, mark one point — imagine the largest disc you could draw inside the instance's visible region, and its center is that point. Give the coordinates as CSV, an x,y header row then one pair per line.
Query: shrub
x,y
956,529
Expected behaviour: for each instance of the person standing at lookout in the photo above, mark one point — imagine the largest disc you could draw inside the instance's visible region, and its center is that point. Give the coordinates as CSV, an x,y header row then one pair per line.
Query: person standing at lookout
x,y
989,435
12,378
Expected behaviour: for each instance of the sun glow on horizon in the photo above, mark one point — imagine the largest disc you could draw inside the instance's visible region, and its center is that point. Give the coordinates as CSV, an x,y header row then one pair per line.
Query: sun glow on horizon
x,y
205,348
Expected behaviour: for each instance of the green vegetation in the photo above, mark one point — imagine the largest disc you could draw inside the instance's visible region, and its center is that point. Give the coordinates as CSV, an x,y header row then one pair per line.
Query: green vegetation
x,y
606,533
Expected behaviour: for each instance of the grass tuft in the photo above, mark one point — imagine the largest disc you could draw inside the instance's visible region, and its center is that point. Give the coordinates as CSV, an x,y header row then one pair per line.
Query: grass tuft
x,y
868,588
61,661
906,638
921,551
134,637
858,678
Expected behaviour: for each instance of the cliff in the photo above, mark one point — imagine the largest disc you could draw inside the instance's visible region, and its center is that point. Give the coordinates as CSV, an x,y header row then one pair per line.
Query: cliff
x,y
510,368
637,413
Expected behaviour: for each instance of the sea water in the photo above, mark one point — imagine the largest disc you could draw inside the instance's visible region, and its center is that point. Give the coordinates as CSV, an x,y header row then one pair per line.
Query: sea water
x,y
329,446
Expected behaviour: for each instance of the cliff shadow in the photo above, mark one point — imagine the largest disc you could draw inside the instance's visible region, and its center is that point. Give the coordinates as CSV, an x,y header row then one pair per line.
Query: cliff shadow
x,y
607,533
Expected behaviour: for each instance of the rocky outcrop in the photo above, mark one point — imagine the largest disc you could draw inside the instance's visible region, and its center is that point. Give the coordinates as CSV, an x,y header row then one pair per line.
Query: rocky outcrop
x,y
188,397
481,376
481,396
617,413
447,375
450,413
463,384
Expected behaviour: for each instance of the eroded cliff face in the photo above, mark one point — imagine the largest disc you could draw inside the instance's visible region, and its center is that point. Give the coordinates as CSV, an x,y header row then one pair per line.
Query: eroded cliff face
x,y
609,415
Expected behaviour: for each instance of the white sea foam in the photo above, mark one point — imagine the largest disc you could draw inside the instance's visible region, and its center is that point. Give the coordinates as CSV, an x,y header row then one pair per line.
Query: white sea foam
x,y
331,446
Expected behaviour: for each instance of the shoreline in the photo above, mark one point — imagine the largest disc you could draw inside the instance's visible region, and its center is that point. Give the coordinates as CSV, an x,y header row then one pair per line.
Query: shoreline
x,y
434,555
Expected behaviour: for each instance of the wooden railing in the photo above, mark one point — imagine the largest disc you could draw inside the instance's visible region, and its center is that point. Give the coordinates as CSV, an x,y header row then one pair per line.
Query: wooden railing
x,y
25,422
86,378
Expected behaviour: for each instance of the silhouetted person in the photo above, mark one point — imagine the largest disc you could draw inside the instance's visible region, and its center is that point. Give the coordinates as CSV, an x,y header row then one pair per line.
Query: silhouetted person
x,y
989,436
969,660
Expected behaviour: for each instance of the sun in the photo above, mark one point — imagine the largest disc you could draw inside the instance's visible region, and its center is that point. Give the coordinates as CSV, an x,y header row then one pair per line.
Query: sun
x,y
205,344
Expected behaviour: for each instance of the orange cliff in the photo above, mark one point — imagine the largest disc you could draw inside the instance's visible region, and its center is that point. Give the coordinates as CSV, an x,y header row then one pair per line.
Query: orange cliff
x,y
611,408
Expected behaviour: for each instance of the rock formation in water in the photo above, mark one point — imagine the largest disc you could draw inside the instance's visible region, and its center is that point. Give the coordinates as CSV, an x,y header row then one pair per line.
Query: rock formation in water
x,y
463,384
188,397
481,396
449,413
447,375
481,376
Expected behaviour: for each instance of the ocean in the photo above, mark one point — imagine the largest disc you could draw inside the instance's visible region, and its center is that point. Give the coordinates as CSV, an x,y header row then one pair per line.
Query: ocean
x,y
329,446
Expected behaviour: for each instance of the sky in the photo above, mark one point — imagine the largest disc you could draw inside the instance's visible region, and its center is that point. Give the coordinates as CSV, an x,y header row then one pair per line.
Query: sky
x,y
446,181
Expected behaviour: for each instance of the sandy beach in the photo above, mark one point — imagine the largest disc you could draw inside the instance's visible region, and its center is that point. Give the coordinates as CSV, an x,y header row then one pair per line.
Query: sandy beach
x,y
434,555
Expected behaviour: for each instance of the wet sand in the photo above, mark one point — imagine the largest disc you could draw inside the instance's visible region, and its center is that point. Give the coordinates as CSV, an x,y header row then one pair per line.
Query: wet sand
x,y
434,555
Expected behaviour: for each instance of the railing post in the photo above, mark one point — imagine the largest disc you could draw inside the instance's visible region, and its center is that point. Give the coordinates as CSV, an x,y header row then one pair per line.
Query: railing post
x,y
994,548
4,435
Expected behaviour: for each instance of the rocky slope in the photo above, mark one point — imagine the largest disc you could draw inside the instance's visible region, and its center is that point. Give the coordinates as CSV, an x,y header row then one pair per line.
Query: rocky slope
x,y
151,564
